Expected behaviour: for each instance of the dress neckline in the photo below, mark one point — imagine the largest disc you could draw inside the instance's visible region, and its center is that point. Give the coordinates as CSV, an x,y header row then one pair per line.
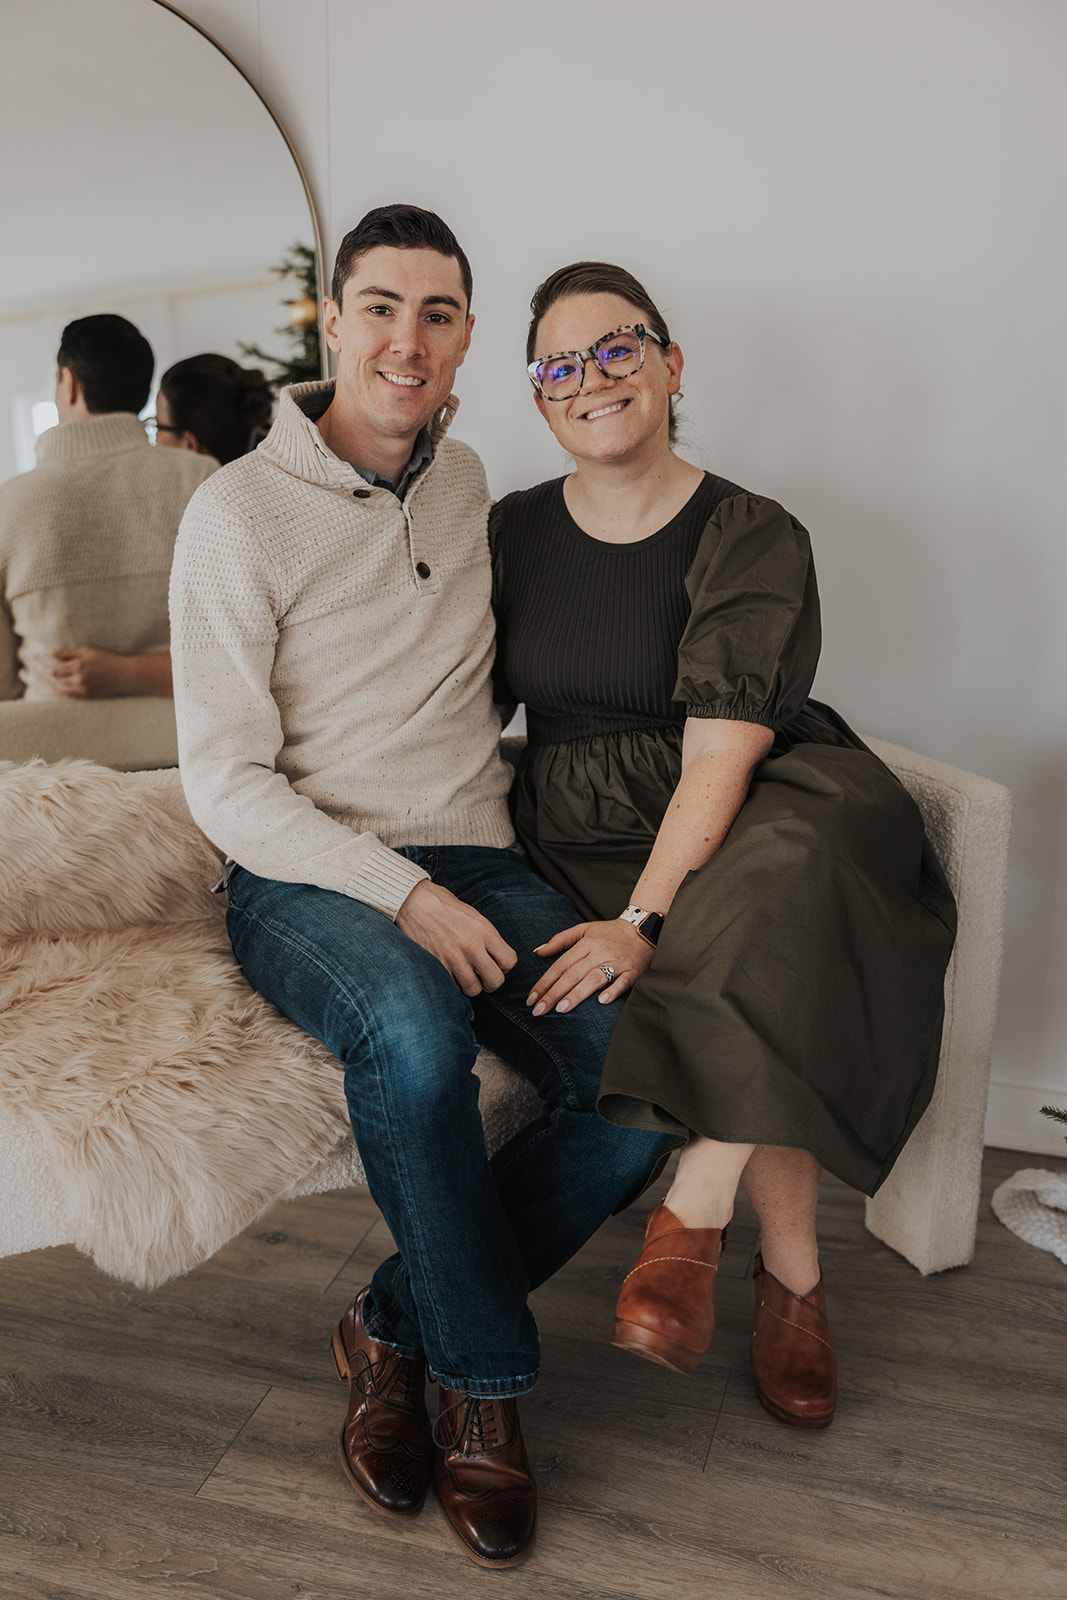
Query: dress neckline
x,y
680,517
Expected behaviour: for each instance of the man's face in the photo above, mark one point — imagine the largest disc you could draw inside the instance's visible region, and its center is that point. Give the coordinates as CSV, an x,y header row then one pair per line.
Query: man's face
x,y
400,333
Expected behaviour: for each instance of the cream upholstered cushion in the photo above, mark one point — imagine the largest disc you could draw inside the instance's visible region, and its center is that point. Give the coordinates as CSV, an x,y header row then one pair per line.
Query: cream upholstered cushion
x,y
926,1209
133,734
32,1211
928,1206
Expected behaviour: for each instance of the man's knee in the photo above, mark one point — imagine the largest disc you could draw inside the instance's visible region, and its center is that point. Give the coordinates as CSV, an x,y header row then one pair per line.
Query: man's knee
x,y
415,1047
589,1028
346,974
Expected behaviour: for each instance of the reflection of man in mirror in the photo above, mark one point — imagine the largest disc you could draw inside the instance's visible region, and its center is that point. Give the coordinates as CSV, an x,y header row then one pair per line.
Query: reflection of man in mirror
x,y
87,537
332,642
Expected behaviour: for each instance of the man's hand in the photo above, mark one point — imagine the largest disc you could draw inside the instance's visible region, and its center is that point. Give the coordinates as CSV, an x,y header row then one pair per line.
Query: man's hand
x,y
466,943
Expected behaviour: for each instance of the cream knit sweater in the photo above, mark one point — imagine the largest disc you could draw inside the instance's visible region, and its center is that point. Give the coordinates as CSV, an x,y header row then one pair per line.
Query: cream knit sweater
x,y
332,651
86,541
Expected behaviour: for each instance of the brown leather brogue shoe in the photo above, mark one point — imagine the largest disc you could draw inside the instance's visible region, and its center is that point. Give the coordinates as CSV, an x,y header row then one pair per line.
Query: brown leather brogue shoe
x,y
666,1310
386,1443
792,1354
483,1478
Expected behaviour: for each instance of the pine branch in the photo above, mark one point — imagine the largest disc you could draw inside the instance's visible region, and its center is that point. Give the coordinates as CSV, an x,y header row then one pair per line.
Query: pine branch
x,y
304,365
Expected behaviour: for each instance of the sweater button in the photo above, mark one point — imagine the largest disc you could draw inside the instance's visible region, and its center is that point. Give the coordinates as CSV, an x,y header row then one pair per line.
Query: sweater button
x,y
361,494
422,569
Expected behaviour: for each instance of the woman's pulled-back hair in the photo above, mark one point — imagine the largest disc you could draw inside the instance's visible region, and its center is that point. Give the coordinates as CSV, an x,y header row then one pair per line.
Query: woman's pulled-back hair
x,y
226,406
596,277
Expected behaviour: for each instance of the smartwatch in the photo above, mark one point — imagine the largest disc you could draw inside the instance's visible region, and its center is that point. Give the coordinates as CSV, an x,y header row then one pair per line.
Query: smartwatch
x,y
647,923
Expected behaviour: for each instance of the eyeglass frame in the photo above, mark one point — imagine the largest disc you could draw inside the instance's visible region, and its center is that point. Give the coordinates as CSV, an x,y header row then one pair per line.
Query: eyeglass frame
x,y
585,356
159,427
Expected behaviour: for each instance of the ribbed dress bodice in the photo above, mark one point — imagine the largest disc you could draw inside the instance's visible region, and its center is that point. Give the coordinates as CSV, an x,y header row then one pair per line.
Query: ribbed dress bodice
x,y
597,653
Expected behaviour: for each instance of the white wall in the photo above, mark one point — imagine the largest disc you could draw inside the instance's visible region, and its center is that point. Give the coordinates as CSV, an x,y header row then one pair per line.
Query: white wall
x,y
133,154
852,214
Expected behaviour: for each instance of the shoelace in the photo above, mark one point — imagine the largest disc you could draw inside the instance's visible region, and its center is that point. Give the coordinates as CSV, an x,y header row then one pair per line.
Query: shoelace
x,y
478,1430
391,1378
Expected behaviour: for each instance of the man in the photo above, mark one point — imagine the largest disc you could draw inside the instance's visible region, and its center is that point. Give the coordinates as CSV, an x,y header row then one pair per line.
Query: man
x,y
86,539
333,642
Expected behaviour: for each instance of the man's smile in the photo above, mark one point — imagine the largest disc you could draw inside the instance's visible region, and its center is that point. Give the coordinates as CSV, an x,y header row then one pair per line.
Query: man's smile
x,y
406,382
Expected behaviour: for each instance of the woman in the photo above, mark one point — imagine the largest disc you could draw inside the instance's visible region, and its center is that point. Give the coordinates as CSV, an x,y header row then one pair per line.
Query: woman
x,y
743,859
212,405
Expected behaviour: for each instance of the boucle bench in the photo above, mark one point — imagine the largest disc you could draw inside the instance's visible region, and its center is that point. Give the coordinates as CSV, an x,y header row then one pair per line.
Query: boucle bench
x,y
151,1105
135,733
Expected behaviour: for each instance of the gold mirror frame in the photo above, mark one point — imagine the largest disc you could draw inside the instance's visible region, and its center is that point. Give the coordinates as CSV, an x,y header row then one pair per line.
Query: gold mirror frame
x,y
294,153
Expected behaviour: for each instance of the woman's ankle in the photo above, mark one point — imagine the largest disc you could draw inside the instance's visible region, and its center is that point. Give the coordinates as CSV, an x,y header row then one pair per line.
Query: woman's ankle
x,y
695,1210
796,1267
705,1185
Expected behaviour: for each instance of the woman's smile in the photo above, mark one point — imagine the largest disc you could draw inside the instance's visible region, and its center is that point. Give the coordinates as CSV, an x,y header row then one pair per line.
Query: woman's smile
x,y
605,411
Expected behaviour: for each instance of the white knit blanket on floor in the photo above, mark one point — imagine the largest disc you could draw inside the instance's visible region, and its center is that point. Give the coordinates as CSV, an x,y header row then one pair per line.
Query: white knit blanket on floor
x,y
1033,1204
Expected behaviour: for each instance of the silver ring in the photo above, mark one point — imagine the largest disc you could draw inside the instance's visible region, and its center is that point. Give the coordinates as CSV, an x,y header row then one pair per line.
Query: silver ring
x,y
608,971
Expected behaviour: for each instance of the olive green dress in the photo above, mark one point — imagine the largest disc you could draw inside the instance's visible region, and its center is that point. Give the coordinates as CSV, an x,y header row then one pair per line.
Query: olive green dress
x,y
796,995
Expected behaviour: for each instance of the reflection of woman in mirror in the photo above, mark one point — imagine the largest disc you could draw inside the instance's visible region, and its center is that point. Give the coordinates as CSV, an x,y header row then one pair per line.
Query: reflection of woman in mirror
x,y
757,877
212,405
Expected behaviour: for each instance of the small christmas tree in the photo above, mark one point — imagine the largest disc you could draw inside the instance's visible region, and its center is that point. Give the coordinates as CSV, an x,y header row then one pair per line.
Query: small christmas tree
x,y
302,329
1055,1113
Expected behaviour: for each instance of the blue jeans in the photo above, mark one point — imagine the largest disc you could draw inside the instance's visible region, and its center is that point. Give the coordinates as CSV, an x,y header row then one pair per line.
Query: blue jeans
x,y
473,1236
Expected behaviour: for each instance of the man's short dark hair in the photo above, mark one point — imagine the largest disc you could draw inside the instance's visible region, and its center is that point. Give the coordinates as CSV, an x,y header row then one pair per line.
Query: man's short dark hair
x,y
402,228
112,361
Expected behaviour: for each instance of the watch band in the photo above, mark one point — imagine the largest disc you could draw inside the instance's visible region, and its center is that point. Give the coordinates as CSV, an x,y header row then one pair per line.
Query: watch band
x,y
647,923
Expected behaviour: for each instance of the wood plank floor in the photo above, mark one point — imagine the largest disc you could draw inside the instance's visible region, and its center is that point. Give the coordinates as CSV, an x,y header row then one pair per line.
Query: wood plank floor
x,y
184,1442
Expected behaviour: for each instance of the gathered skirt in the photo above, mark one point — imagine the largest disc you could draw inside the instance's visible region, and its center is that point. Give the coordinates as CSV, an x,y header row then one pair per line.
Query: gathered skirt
x,y
796,996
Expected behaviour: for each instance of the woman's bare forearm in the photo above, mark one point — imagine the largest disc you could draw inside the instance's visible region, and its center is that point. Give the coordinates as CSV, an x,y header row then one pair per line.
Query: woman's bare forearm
x,y
607,958
718,760
152,674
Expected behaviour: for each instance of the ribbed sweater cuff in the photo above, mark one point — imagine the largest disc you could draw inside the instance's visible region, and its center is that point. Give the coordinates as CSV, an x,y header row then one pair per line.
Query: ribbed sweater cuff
x,y
385,880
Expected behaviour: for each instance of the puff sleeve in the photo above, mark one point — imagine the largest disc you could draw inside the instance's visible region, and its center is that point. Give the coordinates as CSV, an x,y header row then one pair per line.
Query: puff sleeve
x,y
751,645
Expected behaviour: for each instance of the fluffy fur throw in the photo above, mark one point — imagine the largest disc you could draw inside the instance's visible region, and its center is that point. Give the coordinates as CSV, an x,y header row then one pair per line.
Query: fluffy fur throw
x,y
89,850
177,1104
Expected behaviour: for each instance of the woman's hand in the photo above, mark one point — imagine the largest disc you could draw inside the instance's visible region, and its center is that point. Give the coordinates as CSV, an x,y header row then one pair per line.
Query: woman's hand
x,y
88,674
586,949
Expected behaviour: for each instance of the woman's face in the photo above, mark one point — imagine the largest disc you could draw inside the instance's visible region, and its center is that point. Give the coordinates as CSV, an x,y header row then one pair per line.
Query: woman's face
x,y
166,439
611,418
167,435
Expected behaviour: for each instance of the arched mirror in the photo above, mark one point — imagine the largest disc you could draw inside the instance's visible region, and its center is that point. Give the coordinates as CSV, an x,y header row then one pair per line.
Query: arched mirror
x,y
143,175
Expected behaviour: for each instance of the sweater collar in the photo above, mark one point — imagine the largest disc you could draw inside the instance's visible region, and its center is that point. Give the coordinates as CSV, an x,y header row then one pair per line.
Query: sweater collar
x,y
110,433
295,444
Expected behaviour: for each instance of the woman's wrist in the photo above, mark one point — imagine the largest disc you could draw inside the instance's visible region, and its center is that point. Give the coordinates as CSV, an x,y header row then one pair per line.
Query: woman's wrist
x,y
648,924
123,674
